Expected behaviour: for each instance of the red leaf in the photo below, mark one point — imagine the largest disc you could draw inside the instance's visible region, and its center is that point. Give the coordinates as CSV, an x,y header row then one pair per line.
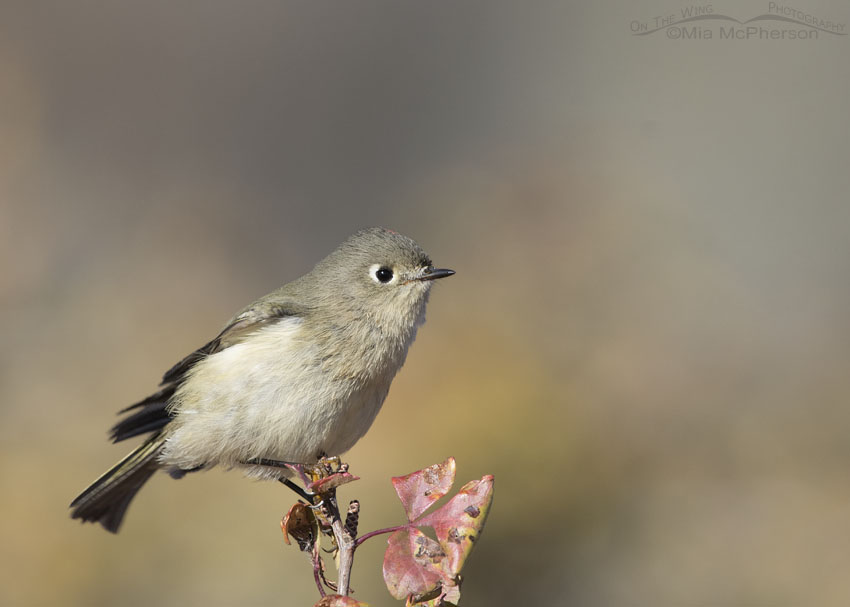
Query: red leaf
x,y
458,524
447,595
451,594
413,563
323,485
418,490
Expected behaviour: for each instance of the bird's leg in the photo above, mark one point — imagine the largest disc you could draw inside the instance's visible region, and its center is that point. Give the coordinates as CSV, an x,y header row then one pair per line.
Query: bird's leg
x,y
273,463
307,496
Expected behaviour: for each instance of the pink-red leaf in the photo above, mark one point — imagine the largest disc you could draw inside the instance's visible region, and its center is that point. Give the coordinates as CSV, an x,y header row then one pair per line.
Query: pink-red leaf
x,y
446,595
413,563
333,481
458,524
451,594
418,490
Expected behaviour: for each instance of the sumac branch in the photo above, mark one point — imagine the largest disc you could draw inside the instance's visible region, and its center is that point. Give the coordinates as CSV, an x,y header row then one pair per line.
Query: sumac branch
x,y
418,569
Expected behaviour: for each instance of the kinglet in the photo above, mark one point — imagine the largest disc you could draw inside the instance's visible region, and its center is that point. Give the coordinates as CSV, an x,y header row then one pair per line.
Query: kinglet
x,y
298,375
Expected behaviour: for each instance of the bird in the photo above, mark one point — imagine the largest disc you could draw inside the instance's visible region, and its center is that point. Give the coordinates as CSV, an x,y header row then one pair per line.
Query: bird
x,y
296,376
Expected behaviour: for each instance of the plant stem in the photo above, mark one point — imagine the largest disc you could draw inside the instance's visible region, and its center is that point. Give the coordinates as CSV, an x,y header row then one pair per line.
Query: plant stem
x,y
366,536
346,546
318,577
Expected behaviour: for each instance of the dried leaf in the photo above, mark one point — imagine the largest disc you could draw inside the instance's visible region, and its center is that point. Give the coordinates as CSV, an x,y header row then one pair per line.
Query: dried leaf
x,y
418,490
301,524
458,524
413,563
337,600
323,485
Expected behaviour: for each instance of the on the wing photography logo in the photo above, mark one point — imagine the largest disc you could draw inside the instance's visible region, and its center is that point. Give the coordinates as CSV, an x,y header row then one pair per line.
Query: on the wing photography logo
x,y
703,22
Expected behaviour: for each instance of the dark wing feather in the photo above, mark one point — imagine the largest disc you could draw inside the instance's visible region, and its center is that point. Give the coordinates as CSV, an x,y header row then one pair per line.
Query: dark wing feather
x,y
176,373
153,413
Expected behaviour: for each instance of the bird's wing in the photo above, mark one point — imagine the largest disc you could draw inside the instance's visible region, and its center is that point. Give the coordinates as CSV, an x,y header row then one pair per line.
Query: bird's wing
x,y
153,413
244,323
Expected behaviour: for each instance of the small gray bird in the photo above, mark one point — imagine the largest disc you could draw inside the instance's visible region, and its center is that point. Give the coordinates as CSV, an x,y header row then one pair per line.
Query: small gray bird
x,y
298,375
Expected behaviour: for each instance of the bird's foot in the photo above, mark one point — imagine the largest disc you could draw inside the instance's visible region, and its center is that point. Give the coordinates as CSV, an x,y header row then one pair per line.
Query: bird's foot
x,y
326,466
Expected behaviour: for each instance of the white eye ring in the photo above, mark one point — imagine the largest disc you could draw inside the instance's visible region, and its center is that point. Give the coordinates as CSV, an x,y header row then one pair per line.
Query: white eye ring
x,y
382,274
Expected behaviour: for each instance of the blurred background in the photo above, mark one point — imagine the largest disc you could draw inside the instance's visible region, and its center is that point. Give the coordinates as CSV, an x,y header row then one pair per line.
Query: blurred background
x,y
646,342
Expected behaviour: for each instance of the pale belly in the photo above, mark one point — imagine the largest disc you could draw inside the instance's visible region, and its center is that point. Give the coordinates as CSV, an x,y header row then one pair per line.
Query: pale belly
x,y
269,398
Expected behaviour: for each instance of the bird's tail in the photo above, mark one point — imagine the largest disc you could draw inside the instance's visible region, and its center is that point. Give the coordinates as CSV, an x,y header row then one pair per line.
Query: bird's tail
x,y
106,500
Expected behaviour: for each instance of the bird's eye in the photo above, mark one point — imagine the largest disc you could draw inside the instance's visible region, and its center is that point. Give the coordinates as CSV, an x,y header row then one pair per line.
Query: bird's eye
x,y
384,274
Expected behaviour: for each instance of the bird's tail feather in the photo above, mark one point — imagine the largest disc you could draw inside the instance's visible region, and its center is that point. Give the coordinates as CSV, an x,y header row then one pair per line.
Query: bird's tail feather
x,y
106,500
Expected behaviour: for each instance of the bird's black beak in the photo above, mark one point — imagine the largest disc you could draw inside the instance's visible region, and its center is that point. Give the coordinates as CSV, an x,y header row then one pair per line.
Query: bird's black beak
x,y
435,273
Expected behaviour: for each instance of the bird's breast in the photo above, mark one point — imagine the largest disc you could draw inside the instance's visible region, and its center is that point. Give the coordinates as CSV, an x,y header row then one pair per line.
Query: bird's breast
x,y
283,393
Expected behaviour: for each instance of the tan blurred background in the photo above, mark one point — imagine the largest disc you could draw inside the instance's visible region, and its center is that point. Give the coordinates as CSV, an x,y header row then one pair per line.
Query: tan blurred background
x,y
647,340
